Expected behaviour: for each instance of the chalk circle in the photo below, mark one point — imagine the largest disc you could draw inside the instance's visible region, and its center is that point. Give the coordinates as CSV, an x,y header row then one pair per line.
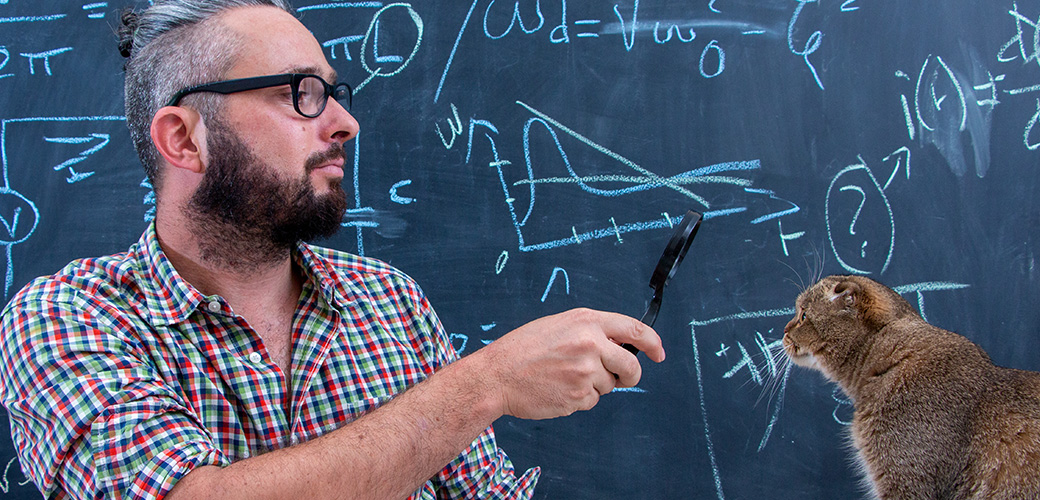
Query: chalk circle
x,y
12,211
860,223
378,71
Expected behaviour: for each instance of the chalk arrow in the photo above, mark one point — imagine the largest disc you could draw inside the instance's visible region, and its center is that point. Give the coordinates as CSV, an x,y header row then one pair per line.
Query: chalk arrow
x,y
902,156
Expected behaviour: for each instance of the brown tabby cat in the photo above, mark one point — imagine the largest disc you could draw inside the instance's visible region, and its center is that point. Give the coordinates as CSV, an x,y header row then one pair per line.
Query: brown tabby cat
x,y
934,418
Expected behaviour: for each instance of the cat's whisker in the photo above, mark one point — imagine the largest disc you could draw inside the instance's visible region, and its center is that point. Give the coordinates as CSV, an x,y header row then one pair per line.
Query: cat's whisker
x,y
775,363
819,263
801,283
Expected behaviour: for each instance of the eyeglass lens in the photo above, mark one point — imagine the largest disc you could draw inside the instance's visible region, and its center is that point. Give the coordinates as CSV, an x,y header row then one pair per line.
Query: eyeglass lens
x,y
311,96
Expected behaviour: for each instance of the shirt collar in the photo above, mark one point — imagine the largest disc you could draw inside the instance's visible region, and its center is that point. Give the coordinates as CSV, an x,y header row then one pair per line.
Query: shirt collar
x,y
337,290
171,299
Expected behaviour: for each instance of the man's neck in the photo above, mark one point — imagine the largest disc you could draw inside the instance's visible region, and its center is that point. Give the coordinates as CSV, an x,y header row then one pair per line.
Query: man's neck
x,y
245,278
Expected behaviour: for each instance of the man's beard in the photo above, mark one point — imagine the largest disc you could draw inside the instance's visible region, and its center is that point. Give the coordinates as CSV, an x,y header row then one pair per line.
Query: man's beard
x,y
244,215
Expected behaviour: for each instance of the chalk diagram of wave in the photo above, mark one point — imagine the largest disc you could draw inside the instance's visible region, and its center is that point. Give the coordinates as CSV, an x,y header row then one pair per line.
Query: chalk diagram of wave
x,y
549,133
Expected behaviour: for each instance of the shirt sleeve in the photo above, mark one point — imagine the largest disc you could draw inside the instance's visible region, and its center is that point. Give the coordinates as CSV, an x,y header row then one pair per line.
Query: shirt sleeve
x,y
483,470
90,417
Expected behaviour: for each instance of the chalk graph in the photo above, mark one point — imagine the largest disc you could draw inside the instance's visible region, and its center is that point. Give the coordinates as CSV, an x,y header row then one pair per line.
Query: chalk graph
x,y
542,135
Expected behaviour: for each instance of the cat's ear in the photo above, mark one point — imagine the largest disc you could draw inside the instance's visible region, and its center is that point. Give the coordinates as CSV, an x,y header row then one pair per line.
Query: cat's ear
x,y
848,293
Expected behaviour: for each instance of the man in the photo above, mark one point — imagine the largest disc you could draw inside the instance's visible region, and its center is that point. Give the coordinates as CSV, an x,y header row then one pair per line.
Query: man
x,y
221,357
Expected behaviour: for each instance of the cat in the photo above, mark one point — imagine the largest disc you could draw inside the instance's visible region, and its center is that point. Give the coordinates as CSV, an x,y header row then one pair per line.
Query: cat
x,y
934,417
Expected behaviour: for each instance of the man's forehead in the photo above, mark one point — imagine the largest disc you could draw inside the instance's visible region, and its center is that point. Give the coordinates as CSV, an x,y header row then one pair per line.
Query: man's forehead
x,y
273,42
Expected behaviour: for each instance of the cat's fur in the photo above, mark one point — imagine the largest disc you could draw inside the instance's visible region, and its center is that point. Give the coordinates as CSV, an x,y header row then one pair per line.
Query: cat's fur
x,y
934,418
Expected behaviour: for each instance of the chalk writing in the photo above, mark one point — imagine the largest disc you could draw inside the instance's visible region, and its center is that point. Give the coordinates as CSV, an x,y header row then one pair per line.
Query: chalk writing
x,y
502,19
7,58
463,338
758,374
514,18
5,481
372,39
812,44
642,180
842,408
74,176
552,279
1027,52
500,263
31,19
397,198
45,56
18,214
93,10
149,199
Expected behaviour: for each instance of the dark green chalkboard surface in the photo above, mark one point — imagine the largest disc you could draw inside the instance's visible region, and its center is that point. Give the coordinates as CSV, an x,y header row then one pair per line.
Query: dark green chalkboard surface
x,y
522,157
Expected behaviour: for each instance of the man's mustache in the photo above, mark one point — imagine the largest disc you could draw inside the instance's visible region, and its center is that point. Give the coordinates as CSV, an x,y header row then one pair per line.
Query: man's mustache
x,y
315,160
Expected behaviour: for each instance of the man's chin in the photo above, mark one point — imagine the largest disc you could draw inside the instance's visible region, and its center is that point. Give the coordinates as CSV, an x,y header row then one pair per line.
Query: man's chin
x,y
324,186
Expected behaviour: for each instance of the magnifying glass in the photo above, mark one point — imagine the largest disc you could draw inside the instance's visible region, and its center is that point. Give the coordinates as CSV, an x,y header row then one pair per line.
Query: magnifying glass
x,y
666,267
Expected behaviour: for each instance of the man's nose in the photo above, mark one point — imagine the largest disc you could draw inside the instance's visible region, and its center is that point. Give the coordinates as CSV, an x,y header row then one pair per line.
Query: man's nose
x,y
341,125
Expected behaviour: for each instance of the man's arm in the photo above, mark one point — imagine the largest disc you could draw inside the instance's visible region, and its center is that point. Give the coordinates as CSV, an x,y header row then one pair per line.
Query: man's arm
x,y
550,367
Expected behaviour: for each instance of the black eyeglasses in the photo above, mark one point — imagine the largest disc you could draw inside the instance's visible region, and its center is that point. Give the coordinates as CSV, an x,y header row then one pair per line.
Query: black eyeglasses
x,y
310,93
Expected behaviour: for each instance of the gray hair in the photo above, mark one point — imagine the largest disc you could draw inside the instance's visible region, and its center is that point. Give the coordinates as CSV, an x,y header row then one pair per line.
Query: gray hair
x,y
171,45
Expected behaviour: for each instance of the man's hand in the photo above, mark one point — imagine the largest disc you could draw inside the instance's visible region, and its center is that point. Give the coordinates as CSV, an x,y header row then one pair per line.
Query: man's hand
x,y
560,364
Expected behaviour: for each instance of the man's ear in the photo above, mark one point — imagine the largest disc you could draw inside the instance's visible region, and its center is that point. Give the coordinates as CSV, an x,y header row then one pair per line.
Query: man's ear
x,y
180,136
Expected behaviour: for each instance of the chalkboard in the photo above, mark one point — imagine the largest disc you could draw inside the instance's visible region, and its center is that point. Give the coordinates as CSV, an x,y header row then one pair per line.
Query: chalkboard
x,y
523,157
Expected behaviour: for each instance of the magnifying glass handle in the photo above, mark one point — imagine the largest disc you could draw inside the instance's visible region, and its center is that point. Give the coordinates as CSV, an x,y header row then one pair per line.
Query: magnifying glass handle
x,y
649,317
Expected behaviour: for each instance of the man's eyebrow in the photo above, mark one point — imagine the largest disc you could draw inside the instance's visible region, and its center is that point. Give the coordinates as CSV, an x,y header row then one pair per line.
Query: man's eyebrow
x,y
314,71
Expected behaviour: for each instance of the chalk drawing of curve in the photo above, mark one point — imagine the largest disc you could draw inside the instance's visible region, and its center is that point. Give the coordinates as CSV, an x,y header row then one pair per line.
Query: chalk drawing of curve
x,y
639,180
15,208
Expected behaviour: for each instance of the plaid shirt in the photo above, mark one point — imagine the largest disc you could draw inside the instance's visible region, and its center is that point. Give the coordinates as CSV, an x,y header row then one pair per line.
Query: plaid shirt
x,y
120,377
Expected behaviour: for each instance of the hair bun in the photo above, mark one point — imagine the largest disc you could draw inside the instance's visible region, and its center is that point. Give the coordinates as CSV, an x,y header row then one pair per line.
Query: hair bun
x,y
128,24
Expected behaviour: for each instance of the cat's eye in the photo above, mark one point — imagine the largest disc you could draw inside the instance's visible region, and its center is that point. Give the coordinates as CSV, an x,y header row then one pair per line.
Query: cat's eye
x,y
803,316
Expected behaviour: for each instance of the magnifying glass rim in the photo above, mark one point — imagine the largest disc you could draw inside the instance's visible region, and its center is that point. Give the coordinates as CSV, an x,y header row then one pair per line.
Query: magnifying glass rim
x,y
676,250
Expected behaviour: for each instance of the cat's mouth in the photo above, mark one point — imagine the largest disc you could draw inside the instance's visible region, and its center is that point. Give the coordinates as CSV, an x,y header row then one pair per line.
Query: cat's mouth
x,y
797,354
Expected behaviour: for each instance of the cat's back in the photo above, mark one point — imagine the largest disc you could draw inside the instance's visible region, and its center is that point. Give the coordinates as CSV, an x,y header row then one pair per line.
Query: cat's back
x,y
999,406
1006,437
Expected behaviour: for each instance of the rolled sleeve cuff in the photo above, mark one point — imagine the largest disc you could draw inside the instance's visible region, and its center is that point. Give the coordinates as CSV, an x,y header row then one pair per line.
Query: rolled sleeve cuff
x,y
163,471
143,452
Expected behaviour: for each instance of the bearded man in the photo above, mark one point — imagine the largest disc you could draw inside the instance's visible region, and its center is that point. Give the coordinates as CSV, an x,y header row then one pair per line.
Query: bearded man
x,y
223,357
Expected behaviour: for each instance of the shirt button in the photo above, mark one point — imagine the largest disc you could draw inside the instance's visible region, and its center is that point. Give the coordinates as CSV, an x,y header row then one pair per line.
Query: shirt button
x,y
255,357
213,306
